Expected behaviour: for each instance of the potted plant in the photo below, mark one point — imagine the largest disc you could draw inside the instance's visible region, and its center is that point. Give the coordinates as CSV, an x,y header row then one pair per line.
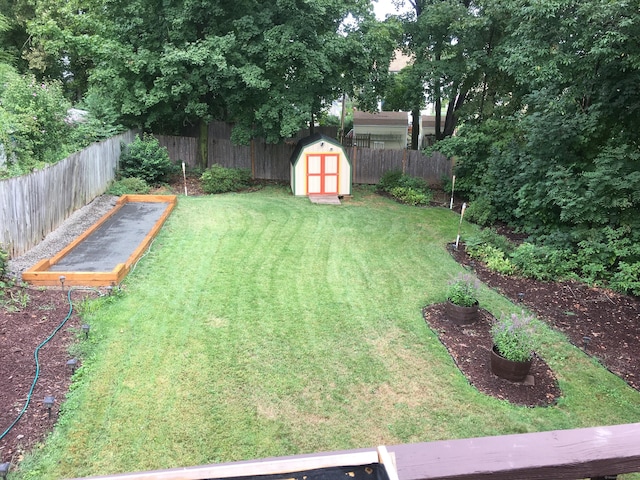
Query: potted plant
x,y
513,346
462,300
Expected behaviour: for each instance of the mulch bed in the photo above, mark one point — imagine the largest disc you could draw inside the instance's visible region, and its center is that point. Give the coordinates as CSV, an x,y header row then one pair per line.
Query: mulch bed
x,y
21,332
470,346
610,321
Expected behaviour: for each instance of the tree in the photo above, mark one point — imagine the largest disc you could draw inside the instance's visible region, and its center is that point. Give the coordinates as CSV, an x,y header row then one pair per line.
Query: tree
x,y
269,67
565,167
456,45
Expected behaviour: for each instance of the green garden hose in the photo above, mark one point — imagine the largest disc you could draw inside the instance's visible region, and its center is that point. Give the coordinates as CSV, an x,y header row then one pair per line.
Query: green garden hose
x,y
35,354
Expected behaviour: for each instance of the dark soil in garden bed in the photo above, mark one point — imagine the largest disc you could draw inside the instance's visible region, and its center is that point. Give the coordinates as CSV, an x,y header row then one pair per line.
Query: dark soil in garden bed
x,y
470,347
27,318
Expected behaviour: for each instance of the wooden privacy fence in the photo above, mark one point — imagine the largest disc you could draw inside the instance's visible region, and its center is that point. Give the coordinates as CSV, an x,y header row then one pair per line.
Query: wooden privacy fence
x,y
369,164
36,204
271,162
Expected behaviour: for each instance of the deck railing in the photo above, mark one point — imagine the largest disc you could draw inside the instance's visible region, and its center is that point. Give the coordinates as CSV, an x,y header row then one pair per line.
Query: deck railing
x,y
596,453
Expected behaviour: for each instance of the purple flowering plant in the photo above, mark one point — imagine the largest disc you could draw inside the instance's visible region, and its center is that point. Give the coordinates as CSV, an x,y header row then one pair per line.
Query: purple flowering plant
x,y
463,291
513,336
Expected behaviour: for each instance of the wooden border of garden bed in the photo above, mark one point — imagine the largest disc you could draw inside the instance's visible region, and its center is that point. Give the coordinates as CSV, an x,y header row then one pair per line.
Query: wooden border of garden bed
x,y
41,275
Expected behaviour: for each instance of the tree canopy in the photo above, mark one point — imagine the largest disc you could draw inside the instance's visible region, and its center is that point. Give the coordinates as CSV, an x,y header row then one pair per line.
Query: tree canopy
x,y
268,67
565,165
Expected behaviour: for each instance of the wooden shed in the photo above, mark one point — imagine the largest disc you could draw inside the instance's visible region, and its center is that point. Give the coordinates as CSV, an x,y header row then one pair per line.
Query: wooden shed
x,y
320,166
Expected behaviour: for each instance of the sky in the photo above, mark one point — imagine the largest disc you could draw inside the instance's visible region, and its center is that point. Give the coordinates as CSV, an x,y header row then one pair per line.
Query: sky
x,y
384,7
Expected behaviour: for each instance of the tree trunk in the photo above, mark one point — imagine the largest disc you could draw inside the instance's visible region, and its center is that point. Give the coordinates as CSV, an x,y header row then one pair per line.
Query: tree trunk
x,y
415,129
439,135
203,145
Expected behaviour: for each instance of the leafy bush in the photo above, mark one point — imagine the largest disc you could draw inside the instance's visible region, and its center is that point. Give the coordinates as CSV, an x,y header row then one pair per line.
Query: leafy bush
x,y
514,336
542,262
32,121
4,258
146,159
129,186
490,237
390,179
405,188
411,196
219,179
627,278
497,261
481,212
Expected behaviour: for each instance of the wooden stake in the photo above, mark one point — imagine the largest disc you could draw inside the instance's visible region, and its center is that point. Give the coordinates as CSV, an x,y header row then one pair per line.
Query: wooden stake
x,y
184,175
453,186
464,207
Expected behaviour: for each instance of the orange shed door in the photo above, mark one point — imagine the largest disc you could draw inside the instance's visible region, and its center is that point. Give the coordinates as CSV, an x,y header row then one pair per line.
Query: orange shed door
x,y
322,174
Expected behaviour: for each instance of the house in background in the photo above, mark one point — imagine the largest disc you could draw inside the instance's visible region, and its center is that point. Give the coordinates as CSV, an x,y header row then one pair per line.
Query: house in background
x,y
379,130
427,135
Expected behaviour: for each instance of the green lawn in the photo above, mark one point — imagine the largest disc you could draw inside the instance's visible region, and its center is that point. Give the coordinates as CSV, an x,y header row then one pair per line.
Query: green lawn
x,y
262,325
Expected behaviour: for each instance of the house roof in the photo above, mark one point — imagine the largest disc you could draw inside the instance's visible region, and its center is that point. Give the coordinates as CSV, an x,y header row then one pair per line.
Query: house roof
x,y
304,142
380,118
430,121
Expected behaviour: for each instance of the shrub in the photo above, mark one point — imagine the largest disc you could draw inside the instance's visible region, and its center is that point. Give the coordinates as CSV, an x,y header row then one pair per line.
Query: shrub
x,y
542,262
32,122
480,211
129,185
496,261
513,336
415,183
4,258
389,180
627,278
219,179
146,159
405,188
493,257
411,196
490,237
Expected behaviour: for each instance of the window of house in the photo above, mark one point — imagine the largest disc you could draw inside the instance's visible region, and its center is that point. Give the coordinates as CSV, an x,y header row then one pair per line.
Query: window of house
x,y
378,145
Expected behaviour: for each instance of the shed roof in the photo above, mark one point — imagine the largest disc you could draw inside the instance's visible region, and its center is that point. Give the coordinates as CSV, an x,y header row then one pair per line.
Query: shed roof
x,y
380,118
303,142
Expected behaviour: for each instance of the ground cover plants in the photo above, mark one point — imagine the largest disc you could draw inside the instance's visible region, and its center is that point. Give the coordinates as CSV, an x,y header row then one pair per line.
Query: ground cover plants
x,y
260,324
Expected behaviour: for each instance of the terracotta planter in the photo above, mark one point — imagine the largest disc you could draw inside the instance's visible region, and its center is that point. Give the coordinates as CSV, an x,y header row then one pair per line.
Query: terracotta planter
x,y
461,315
508,369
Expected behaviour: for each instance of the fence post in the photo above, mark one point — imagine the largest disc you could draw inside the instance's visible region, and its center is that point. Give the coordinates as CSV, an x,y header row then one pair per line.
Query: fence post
x,y
253,159
353,163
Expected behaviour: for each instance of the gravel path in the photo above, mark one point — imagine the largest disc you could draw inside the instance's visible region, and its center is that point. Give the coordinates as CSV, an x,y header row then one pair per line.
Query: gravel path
x,y
71,228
